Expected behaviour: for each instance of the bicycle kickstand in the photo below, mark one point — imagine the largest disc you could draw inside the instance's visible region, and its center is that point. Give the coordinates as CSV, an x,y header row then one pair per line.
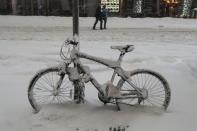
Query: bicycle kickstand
x,y
117,104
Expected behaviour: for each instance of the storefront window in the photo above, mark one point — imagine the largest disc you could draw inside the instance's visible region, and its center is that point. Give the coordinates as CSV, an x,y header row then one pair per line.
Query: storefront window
x,y
171,8
111,5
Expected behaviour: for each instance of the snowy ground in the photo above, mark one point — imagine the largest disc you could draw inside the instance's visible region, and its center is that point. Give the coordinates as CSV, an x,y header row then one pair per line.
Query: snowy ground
x,y
166,45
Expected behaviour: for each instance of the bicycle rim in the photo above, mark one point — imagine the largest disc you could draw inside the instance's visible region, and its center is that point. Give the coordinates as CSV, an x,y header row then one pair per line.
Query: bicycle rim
x,y
157,88
42,89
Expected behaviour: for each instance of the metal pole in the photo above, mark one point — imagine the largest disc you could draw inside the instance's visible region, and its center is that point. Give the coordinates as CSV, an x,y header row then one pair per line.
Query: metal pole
x,y
32,7
75,19
158,7
47,7
23,7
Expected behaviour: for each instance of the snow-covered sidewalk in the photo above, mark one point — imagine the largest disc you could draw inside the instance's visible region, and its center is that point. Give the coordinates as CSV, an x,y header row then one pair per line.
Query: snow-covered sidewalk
x,y
166,45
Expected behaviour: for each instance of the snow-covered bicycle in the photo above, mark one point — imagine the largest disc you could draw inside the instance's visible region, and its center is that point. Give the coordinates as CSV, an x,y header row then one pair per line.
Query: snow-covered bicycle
x,y
66,82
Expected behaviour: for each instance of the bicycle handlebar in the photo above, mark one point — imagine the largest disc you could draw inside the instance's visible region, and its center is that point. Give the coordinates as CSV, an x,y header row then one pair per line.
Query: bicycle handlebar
x,y
72,42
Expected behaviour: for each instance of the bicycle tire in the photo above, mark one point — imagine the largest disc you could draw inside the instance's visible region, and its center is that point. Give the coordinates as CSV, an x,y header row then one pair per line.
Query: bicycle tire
x,y
159,85
42,86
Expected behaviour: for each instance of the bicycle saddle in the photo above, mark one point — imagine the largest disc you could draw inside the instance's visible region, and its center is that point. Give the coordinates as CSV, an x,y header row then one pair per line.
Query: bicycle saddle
x,y
125,48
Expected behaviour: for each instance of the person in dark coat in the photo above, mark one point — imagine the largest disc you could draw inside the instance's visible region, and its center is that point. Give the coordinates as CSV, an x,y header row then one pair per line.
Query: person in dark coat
x,y
104,15
98,18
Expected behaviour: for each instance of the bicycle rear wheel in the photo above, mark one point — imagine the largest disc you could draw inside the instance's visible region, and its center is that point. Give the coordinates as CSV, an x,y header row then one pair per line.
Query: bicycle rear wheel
x,y
42,89
155,85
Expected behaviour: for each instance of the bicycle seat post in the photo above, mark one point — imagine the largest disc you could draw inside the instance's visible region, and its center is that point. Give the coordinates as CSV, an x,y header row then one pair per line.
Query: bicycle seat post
x,y
121,57
119,61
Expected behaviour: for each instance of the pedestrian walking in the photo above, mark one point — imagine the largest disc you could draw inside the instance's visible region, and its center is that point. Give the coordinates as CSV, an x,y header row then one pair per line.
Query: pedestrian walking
x,y
104,15
98,17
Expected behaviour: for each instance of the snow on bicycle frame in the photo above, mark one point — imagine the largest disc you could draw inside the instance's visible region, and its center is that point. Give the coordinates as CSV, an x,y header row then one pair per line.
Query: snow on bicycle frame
x,y
113,91
67,82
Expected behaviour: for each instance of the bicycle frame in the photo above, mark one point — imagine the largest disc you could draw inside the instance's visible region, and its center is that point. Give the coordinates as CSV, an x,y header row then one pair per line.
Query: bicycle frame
x,y
73,71
115,65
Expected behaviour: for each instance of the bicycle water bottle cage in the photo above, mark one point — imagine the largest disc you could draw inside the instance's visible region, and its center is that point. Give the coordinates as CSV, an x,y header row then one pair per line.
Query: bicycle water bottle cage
x,y
125,48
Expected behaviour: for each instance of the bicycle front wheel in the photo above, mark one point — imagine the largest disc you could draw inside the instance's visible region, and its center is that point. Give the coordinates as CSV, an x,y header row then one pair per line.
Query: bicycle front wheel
x,y
157,88
42,89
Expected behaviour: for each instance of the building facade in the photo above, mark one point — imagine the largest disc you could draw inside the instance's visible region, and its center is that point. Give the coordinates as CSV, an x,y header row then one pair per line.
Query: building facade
x,y
123,8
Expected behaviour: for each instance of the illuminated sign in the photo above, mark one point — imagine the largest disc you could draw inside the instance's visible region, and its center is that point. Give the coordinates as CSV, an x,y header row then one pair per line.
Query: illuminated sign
x,y
111,5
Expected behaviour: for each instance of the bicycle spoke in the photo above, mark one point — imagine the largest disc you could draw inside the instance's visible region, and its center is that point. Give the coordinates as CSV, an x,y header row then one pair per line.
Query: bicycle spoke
x,y
63,96
155,102
39,84
157,91
154,86
43,99
149,83
47,80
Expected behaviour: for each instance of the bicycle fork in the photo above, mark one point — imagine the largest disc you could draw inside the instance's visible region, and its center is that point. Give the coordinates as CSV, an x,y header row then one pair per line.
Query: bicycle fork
x,y
79,87
58,85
